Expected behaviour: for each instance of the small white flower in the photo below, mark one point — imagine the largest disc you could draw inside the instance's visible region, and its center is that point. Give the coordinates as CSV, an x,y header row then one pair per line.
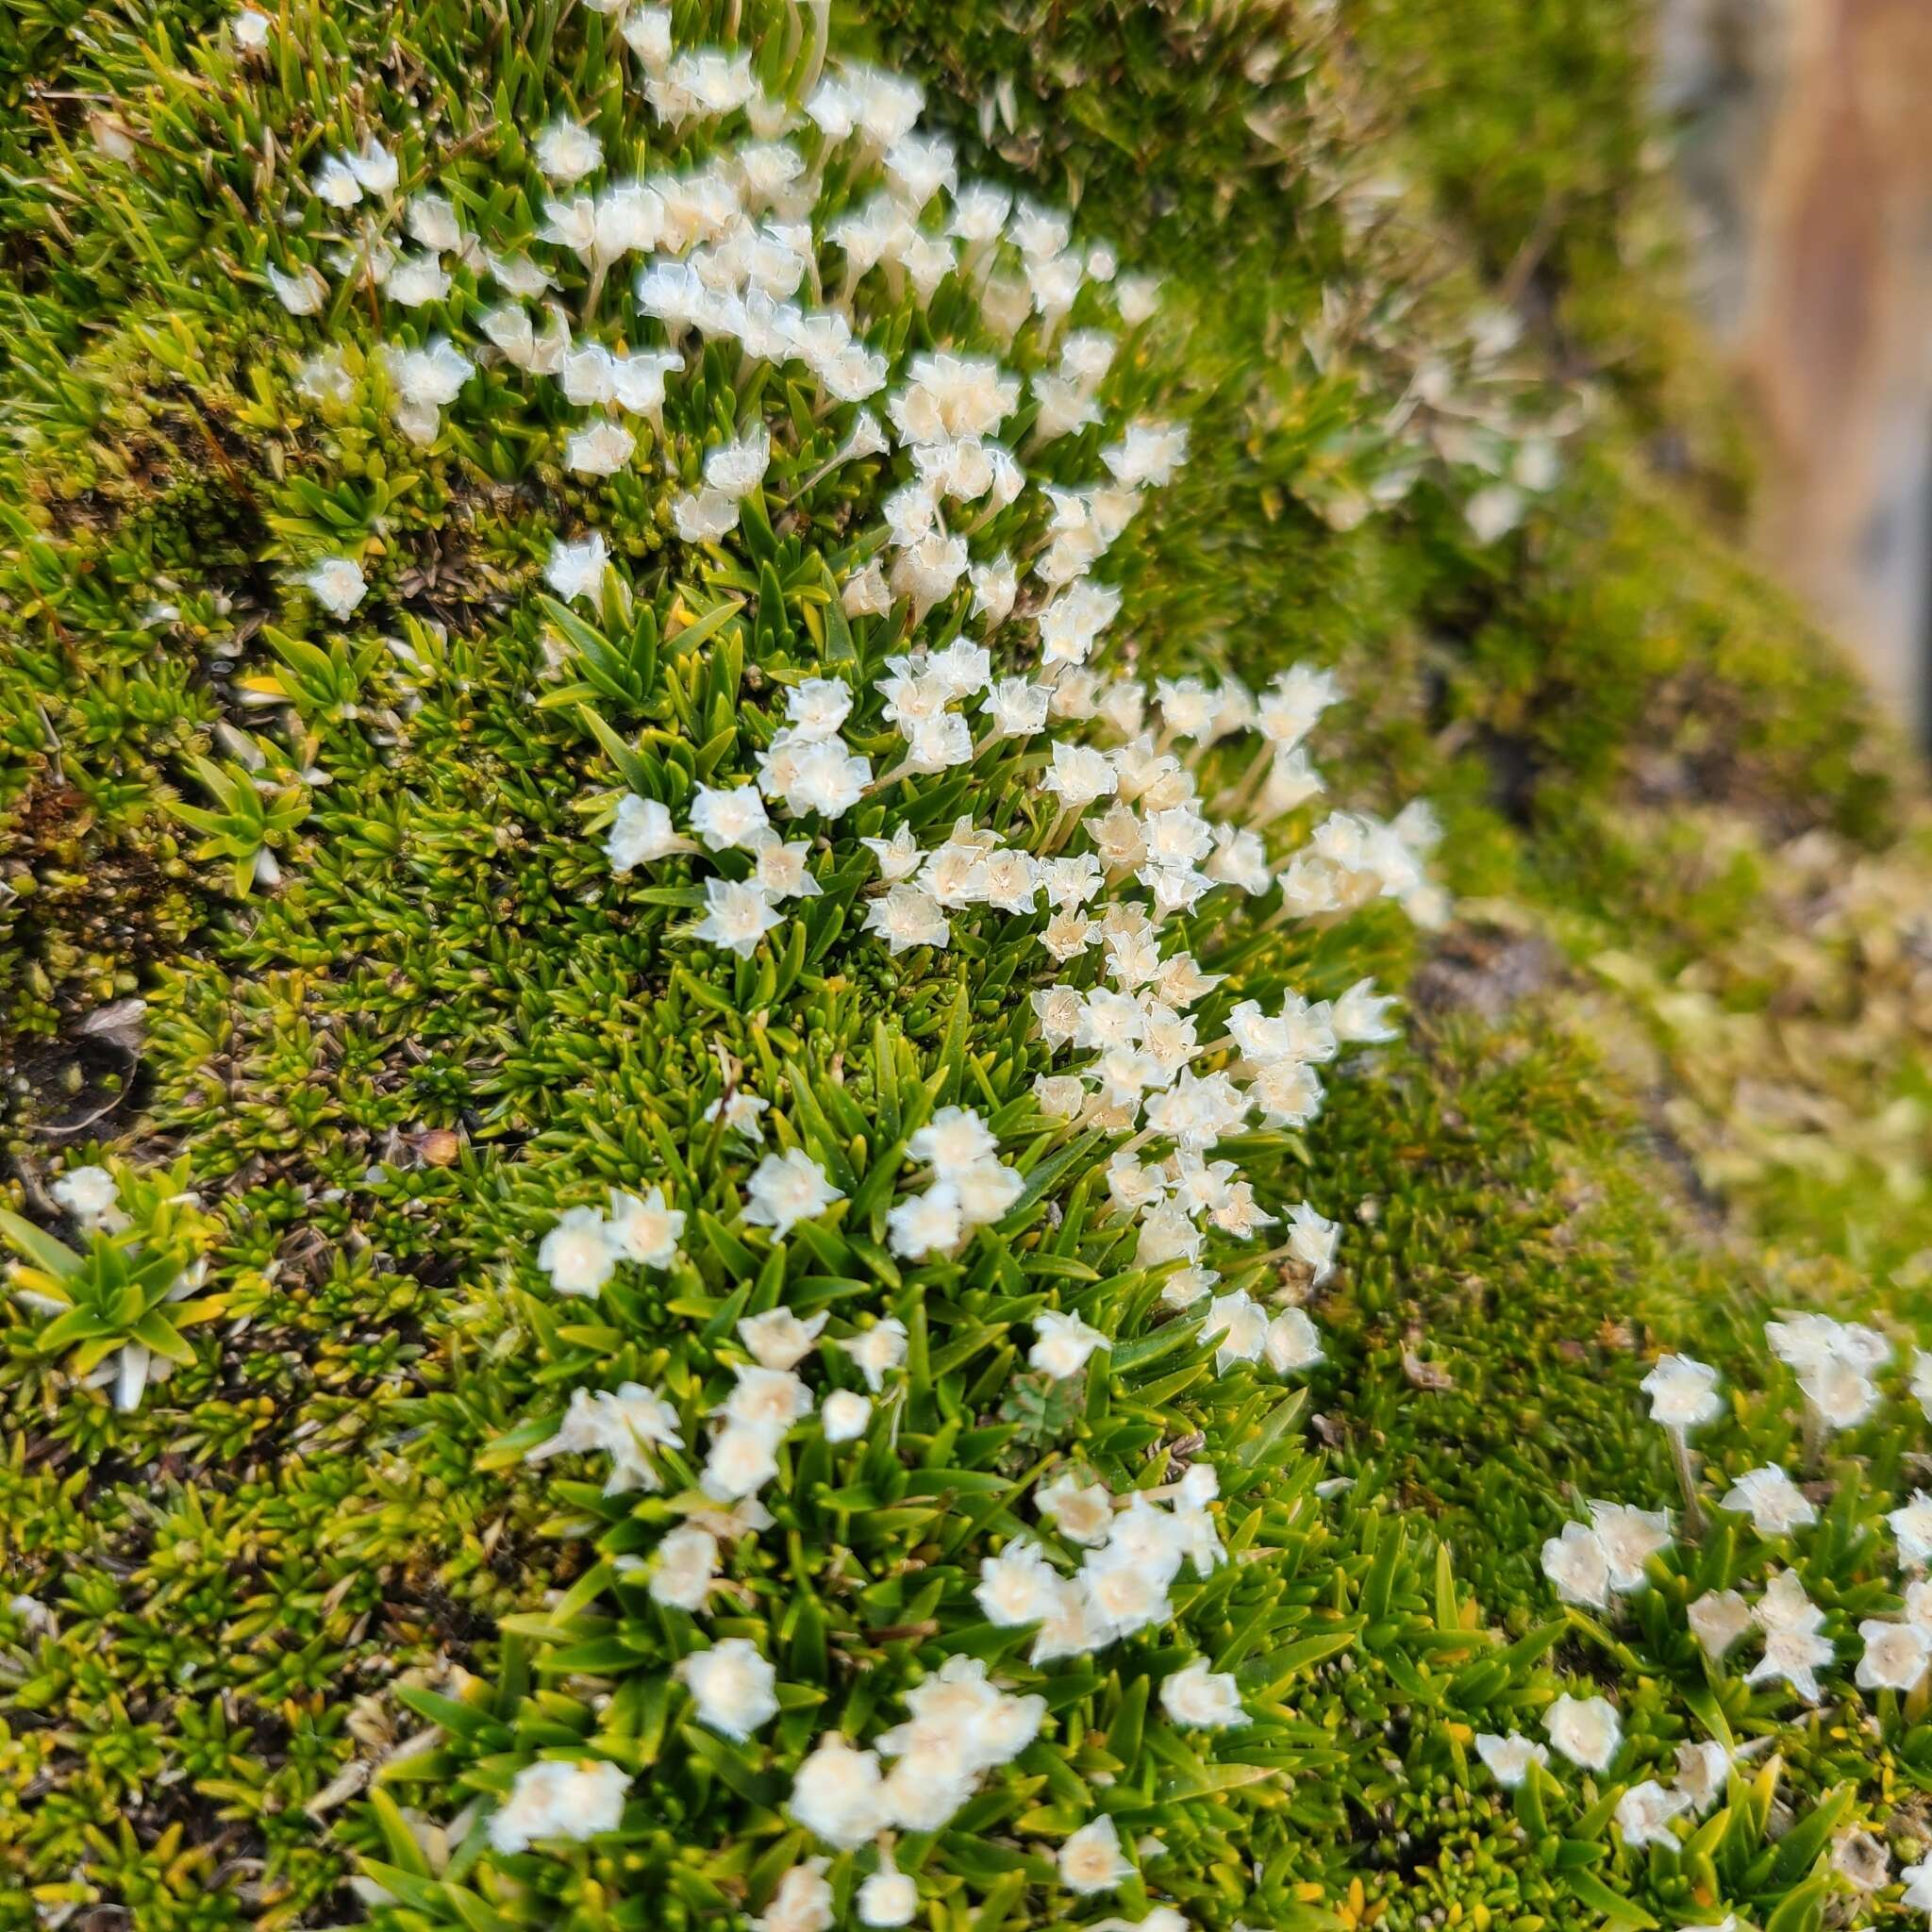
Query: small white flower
x,y
1683,1394
91,1195
567,152
576,570
337,584
644,1230
600,450
1585,1730
1718,1619
1645,1811
1775,1503
737,916
836,1793
1091,1860
1510,1757
1083,1514
1629,1537
778,1338
876,1351
1894,1657
786,1188
888,1897
551,1799
1198,1696
1578,1563
641,833
736,468
576,1254
1701,1771
1293,1343
728,820
1062,1344
685,1568
300,294
733,1687
1918,1892
844,1415
1911,1523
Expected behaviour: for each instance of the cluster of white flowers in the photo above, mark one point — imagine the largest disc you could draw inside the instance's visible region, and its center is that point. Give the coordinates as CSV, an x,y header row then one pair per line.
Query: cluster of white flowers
x,y
1835,1364
1133,1551
802,241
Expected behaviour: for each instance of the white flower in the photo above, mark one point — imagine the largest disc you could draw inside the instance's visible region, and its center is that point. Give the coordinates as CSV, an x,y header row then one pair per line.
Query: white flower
x,y
300,294
1683,1394
742,1460
337,584
1091,1860
685,1568
905,917
740,1113
1629,1537
641,833
786,1188
1509,1758
955,1140
1775,1503
420,279
844,1415
1794,1650
1894,1657
1313,1239
1911,1523
732,1686
778,1338
730,819
816,707
1702,1771
1718,1619
575,1252
1585,1730
91,1195
576,570
647,31
737,916
1019,1586
567,152
1062,1344
1197,1695
1293,1343
1644,1813
876,1351
705,516
1081,1513
432,221
251,27
888,1897
551,1799
1918,1892
625,1424
836,1793
602,449
736,468
1578,1563
1840,1392
646,1230
1240,1321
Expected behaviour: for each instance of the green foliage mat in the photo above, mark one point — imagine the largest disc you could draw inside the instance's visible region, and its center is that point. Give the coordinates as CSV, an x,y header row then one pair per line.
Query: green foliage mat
x,y
282,1637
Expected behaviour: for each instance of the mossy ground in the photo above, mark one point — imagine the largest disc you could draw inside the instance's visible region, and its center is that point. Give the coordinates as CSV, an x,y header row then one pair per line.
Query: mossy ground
x,y
1668,1071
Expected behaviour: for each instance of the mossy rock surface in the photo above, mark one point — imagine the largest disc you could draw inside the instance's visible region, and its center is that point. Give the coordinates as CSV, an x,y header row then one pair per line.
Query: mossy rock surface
x,y
1660,1075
